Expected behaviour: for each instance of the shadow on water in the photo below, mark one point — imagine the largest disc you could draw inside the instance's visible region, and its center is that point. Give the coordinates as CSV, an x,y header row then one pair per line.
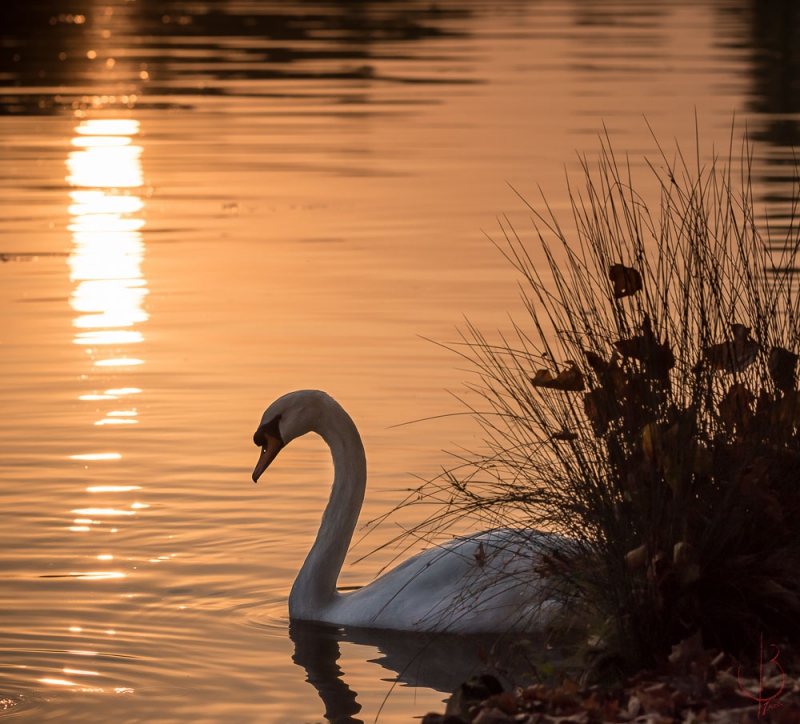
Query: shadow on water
x,y
162,53
774,39
436,661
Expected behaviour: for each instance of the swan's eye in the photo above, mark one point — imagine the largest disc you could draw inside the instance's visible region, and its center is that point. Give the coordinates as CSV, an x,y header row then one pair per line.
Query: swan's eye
x,y
271,429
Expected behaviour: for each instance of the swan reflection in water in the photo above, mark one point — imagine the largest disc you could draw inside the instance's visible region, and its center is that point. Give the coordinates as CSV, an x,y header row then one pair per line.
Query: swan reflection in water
x,y
441,662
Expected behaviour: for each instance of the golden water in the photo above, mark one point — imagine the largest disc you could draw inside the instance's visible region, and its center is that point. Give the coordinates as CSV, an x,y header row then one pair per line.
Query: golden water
x,y
205,207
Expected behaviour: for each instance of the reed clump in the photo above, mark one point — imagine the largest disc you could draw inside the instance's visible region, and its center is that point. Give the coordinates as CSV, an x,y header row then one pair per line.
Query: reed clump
x,y
649,409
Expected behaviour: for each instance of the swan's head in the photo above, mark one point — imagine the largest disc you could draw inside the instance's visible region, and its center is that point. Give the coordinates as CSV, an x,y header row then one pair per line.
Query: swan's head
x,y
290,416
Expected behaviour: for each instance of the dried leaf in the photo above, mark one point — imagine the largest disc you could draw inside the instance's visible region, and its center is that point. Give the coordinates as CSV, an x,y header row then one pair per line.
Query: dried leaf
x,y
785,412
665,450
658,568
601,709
770,505
597,363
689,651
637,557
703,460
568,380
763,407
688,574
564,435
735,409
680,552
734,355
542,378
492,716
638,398
755,476
626,281
505,702
597,406
673,474
783,369
651,443
570,686
656,357
656,699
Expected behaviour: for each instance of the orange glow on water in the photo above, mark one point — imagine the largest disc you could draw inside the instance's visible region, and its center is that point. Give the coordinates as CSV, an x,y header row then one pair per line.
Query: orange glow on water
x,y
121,362
104,141
108,127
108,337
112,488
97,456
58,682
97,203
119,417
106,167
111,303
102,511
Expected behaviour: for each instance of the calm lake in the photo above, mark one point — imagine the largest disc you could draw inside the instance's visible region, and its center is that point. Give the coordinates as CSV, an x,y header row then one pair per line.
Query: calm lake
x,y
207,204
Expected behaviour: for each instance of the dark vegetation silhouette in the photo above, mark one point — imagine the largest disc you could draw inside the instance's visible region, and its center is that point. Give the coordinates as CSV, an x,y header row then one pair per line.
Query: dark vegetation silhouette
x,y
649,409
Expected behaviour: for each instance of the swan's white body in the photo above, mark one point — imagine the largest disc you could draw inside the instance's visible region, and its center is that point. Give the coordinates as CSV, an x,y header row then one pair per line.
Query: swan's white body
x,y
482,583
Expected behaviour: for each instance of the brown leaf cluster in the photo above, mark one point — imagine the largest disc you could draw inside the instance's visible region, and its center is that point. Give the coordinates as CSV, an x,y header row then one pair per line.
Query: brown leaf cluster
x,y
625,280
700,491
627,393
568,380
656,357
734,355
694,686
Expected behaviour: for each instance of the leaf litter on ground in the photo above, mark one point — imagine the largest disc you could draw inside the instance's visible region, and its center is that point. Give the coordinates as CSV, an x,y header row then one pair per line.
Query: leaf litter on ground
x,y
693,685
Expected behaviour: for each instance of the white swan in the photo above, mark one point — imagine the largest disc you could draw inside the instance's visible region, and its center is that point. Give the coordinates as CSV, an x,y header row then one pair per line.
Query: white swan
x,y
482,583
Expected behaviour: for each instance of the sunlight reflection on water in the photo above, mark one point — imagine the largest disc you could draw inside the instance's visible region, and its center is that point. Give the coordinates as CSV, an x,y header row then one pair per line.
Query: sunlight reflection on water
x,y
109,247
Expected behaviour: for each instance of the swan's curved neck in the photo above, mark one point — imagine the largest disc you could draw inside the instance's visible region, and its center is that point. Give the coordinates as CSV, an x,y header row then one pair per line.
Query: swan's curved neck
x,y
315,586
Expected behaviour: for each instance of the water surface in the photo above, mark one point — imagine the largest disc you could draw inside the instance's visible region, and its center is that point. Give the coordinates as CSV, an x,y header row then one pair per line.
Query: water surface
x,y
205,205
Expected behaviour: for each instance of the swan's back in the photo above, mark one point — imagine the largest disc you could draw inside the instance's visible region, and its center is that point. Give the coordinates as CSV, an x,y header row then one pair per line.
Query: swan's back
x,y
487,582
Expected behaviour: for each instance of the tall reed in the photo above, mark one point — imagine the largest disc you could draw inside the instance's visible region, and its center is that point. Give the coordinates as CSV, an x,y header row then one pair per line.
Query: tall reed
x,y
647,407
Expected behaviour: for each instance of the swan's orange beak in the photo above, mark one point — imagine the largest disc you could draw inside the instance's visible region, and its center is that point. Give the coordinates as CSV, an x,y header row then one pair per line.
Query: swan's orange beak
x,y
268,453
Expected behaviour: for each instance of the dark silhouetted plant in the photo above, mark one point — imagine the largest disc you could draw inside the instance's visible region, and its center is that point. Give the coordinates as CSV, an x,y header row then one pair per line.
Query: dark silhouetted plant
x,y
649,409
